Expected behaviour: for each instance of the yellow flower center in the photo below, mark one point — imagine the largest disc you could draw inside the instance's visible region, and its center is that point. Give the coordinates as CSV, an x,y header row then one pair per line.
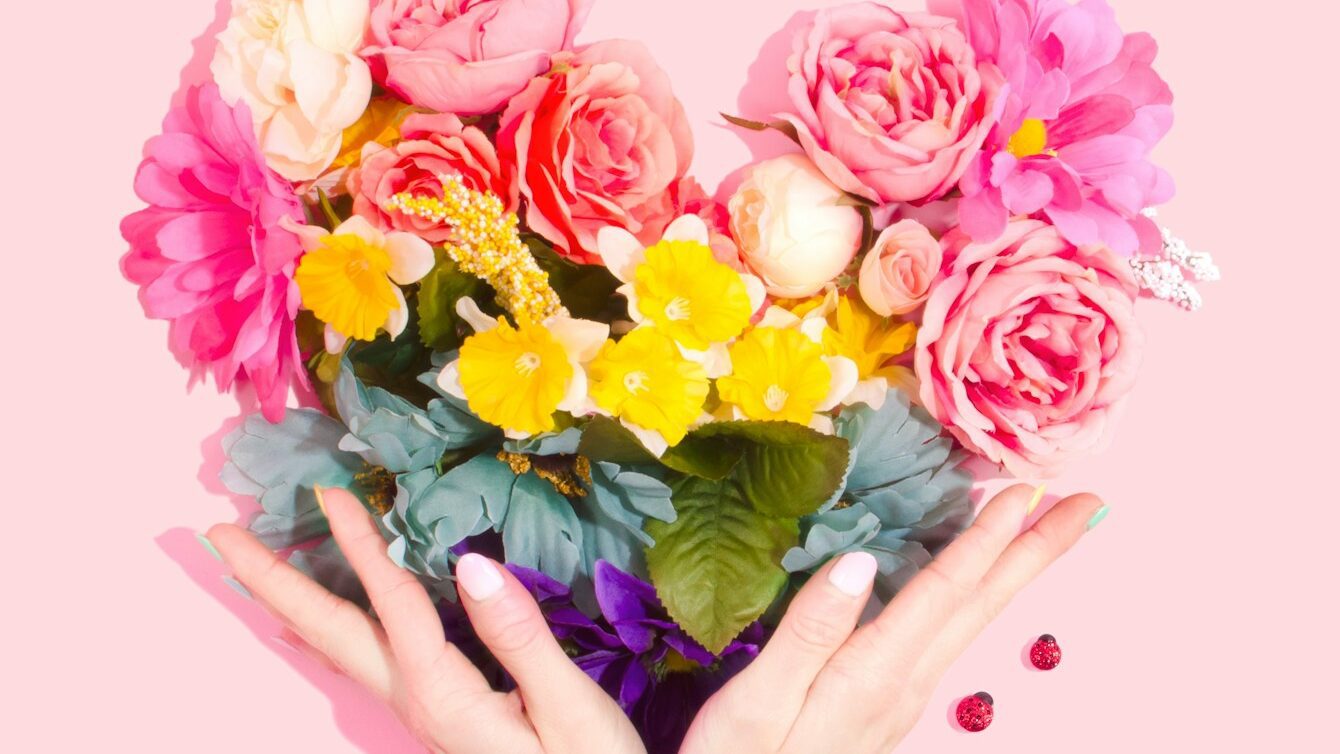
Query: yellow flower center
x,y
1029,140
692,297
515,378
344,282
645,380
777,375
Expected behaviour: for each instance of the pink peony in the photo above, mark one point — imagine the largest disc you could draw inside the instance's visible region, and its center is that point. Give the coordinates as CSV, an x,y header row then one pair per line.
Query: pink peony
x,y
897,272
891,106
1028,346
467,57
430,146
1084,110
597,142
209,254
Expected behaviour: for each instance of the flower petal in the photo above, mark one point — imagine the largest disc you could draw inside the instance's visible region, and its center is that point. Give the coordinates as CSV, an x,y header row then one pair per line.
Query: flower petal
x,y
411,257
581,338
621,251
845,377
687,228
468,310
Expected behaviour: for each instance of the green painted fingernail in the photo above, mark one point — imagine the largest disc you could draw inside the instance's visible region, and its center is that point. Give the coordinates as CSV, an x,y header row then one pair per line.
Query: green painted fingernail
x,y
1098,517
209,546
236,586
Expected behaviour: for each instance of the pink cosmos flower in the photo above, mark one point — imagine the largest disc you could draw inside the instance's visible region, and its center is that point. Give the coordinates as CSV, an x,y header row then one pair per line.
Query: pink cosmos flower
x,y
1028,346
209,254
1084,110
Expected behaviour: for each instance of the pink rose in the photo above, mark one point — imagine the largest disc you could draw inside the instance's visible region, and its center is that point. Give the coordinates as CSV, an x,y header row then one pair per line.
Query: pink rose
x,y
891,106
896,274
1028,346
467,57
430,146
597,142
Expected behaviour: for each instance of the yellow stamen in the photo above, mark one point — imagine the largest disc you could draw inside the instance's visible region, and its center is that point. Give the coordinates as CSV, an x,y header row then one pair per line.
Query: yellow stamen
x,y
1030,139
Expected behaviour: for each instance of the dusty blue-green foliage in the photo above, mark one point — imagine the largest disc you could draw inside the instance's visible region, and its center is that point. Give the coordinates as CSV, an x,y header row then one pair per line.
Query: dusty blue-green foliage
x,y
279,464
905,496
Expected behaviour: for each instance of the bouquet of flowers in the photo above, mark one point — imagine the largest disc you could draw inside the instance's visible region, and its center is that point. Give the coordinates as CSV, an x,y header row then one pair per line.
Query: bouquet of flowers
x,y
519,327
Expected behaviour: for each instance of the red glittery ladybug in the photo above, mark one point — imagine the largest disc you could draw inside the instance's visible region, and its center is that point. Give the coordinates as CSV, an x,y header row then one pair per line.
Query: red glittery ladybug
x,y
976,712
1046,653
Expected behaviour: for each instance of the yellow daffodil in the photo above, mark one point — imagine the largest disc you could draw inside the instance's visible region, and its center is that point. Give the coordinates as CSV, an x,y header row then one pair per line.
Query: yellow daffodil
x,y
869,340
378,127
778,375
350,278
517,377
645,381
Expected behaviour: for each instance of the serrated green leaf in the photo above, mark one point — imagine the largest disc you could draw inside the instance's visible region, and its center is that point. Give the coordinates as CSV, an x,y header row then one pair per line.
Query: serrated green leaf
x,y
604,439
439,325
785,470
717,567
710,457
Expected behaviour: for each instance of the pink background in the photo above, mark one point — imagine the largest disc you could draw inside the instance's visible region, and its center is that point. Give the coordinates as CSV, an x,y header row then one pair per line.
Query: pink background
x,y
1201,614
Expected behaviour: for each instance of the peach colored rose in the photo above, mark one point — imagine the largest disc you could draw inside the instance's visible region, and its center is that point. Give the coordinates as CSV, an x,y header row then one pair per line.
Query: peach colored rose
x,y
891,106
430,146
597,142
467,57
793,226
1028,346
896,274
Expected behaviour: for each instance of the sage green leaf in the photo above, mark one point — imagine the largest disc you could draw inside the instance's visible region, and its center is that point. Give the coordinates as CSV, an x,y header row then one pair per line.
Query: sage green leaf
x,y
542,531
785,470
717,567
704,455
439,325
604,439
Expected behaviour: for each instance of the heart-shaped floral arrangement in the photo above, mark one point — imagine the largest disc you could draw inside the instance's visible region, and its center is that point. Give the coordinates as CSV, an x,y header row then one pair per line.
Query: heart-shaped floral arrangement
x,y
530,333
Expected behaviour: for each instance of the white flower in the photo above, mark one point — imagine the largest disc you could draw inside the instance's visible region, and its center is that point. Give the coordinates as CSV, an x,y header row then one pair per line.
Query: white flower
x,y
295,65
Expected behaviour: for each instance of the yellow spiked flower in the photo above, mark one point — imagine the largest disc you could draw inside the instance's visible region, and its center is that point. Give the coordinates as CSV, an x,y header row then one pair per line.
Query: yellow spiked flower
x,y
869,340
778,375
690,296
643,379
515,378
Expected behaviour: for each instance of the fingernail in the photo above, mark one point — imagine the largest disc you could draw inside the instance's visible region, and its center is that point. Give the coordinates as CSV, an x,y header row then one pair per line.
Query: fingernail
x,y
209,546
478,577
1098,517
853,573
320,499
236,586
1037,498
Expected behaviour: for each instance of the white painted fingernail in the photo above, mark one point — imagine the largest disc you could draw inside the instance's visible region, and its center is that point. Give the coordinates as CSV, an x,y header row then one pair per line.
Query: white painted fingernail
x,y
853,573
478,577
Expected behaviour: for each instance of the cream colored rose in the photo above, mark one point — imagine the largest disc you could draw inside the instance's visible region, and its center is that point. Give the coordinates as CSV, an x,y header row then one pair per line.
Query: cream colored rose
x,y
793,227
294,63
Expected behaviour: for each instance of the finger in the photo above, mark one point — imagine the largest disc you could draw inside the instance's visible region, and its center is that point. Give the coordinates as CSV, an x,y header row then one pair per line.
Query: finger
x,y
1026,557
560,699
335,628
407,613
816,624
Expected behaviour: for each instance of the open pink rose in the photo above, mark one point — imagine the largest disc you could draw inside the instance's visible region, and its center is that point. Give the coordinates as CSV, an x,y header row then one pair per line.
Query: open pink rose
x,y
467,56
896,274
1028,346
597,142
430,146
891,106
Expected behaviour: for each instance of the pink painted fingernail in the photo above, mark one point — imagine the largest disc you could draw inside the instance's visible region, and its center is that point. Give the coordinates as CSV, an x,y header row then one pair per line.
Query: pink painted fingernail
x,y
478,577
853,573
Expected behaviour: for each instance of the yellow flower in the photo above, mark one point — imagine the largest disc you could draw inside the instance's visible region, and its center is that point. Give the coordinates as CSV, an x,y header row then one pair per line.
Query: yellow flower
x,y
869,340
348,277
380,124
778,375
690,296
515,378
643,379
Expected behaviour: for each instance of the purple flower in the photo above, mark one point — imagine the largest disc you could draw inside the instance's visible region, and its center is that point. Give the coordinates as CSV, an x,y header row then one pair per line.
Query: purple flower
x,y
659,675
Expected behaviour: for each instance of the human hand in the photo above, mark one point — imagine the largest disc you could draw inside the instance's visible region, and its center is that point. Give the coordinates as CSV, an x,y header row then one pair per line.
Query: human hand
x,y
405,660
820,684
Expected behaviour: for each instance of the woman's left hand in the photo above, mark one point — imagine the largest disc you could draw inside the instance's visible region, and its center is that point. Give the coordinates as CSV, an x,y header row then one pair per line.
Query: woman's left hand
x,y
406,661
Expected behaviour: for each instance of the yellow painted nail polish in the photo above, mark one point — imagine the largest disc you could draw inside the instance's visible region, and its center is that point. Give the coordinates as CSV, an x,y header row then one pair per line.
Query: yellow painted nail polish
x,y
1037,498
320,501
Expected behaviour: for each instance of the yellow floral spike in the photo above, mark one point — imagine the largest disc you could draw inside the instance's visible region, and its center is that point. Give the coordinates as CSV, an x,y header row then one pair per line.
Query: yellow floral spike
x,y
645,380
777,375
1029,140
690,296
380,124
867,338
515,378
344,282
487,246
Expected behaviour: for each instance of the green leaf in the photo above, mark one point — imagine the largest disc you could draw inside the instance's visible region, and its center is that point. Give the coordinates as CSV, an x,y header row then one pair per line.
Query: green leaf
x,y
784,470
439,326
604,439
588,291
707,456
717,567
